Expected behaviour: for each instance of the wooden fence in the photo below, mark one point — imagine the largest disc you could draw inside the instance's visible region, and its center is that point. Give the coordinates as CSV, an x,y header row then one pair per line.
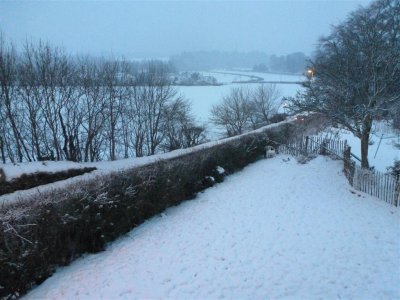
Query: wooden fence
x,y
384,186
314,145
381,185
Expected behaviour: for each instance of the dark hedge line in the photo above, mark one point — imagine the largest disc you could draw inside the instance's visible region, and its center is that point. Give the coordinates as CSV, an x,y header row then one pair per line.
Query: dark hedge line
x,y
28,181
52,229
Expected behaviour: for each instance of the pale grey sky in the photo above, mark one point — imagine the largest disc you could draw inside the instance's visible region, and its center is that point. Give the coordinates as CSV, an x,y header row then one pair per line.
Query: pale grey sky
x,y
162,28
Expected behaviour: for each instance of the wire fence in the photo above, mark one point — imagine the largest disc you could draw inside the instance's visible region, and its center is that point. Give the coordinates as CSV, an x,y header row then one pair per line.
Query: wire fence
x,y
384,186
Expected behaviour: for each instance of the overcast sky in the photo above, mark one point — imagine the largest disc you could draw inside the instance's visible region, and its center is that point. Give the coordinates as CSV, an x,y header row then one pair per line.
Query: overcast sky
x,y
159,29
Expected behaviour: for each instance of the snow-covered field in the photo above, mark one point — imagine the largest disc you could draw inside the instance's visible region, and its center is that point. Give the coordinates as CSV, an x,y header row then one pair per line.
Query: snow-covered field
x,y
276,230
204,97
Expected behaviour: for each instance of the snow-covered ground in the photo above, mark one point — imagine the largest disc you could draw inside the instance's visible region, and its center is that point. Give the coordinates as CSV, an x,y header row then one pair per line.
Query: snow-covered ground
x,y
276,230
383,149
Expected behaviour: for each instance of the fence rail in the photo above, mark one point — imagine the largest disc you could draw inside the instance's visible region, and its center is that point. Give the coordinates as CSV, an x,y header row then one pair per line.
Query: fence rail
x,y
381,185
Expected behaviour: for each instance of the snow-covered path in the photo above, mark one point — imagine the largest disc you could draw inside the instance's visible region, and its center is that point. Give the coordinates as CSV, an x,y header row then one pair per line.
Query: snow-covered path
x,y
276,230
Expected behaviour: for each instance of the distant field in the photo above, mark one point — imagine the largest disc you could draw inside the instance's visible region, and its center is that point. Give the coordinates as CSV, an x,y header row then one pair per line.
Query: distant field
x,y
204,97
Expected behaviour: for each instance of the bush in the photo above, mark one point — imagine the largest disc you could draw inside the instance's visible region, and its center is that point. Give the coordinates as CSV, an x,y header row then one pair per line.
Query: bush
x,y
395,169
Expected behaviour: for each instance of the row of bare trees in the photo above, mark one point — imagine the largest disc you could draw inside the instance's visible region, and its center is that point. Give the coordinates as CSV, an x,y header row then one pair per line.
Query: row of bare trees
x,y
54,106
245,109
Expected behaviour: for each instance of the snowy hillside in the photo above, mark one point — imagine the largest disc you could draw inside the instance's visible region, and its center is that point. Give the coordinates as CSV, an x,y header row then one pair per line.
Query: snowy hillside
x,y
276,230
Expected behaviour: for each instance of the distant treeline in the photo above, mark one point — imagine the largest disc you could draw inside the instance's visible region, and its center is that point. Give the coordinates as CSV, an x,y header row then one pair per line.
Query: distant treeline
x,y
207,60
292,63
258,61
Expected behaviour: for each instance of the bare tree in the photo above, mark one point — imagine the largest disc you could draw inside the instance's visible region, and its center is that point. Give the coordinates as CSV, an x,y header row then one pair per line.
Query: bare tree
x,y
175,116
70,114
357,71
235,111
46,88
157,114
92,101
264,100
157,94
244,109
9,86
137,114
31,100
180,129
124,83
113,108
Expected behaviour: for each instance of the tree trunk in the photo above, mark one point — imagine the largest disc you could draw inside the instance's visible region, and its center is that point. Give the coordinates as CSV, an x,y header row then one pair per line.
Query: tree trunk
x,y
366,130
3,157
65,136
364,151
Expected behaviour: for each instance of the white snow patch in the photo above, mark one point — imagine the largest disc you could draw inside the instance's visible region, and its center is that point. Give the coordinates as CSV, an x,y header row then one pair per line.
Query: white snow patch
x,y
210,178
276,230
220,170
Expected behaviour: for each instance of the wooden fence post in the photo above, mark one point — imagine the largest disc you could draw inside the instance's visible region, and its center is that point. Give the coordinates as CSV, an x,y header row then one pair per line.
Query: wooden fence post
x,y
306,150
322,149
348,164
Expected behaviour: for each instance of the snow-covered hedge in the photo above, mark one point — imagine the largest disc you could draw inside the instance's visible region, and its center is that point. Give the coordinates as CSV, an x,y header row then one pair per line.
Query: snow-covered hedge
x,y
27,181
53,228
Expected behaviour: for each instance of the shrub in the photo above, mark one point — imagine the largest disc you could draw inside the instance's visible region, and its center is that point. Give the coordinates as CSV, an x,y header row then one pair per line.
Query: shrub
x,y
395,169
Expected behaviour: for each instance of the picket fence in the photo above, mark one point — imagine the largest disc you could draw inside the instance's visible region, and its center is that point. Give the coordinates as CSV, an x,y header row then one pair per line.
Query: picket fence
x,y
381,185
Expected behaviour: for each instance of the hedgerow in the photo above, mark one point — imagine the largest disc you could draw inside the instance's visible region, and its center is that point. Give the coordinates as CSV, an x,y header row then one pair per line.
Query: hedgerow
x,y
28,181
